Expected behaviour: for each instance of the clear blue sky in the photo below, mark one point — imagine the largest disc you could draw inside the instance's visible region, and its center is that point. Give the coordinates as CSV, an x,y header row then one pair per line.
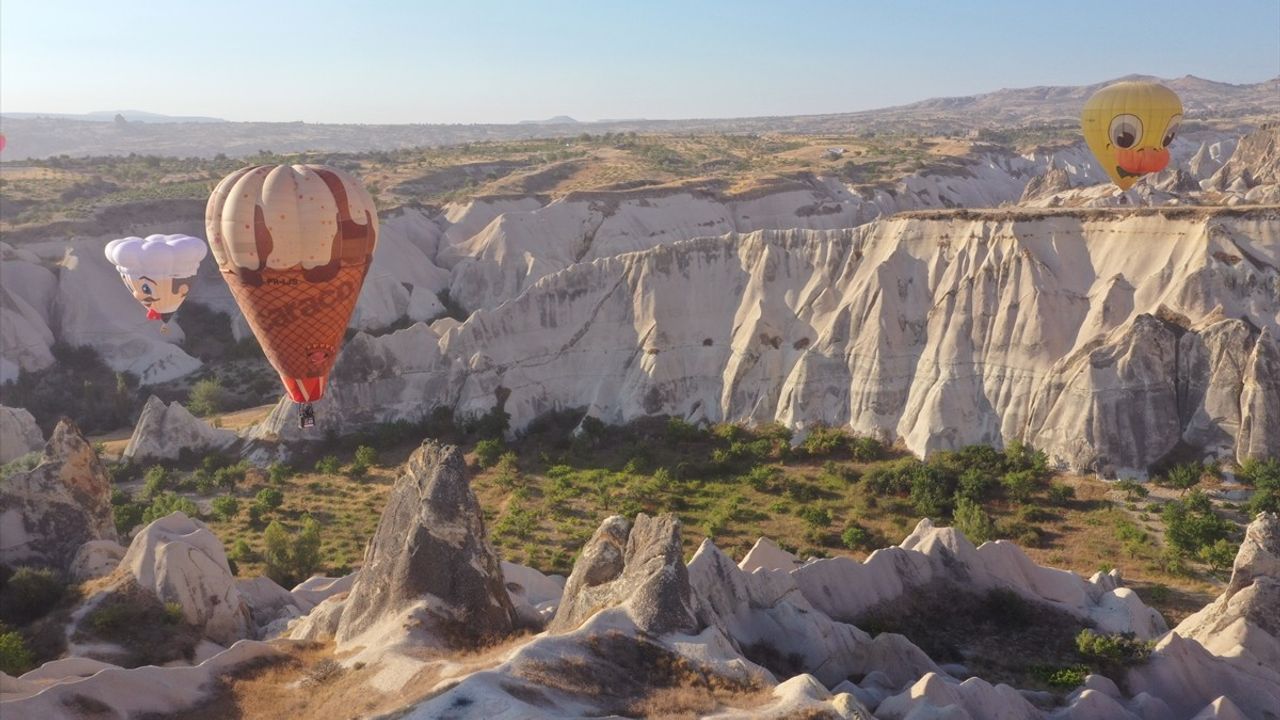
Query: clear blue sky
x,y
464,61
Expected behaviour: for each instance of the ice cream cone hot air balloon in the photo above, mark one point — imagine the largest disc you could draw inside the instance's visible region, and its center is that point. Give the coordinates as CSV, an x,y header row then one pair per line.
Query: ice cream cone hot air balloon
x,y
158,270
1129,127
294,243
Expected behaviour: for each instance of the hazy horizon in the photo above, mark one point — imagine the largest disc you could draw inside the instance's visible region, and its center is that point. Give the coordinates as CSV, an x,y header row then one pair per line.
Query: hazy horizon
x,y
502,62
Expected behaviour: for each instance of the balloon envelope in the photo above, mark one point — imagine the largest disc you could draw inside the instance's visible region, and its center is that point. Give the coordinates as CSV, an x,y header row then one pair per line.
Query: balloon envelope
x,y
158,269
1129,126
294,243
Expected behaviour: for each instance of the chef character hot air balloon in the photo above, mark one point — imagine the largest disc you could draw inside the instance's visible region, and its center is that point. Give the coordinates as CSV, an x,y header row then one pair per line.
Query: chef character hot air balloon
x,y
1129,127
158,270
294,243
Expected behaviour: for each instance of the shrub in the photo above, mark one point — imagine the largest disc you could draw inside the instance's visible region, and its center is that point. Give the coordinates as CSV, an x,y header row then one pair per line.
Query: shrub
x,y
1264,475
225,507
207,397
127,517
21,464
155,481
1182,477
1112,650
240,551
167,504
973,521
1020,485
276,553
306,549
824,440
815,516
508,472
1219,556
269,498
1063,678
1023,458
1061,493
1133,491
488,452
856,537
1191,523
976,485
866,449
15,658
931,492
680,431
30,593
278,472
366,456
761,477
328,465
227,476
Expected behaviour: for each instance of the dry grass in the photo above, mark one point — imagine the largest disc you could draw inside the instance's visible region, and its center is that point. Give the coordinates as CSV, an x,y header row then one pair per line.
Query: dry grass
x,y
301,685
637,678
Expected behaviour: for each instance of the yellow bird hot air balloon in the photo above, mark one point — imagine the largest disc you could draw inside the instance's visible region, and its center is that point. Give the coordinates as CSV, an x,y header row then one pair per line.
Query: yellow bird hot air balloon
x,y
1129,127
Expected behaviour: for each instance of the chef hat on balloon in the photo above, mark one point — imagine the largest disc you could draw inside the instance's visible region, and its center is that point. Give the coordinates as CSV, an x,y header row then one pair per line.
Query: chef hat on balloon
x,y
157,256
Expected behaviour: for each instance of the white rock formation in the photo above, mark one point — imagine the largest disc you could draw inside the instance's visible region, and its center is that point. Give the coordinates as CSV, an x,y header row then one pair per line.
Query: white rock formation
x,y
846,589
95,559
19,434
48,512
128,692
164,432
944,330
180,560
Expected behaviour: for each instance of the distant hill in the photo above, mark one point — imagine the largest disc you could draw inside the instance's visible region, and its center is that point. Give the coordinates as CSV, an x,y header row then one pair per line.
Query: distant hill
x,y
37,136
557,120
110,116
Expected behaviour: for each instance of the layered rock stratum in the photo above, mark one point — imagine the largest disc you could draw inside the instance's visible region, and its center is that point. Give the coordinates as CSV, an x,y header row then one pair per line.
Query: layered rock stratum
x,y
48,512
1107,338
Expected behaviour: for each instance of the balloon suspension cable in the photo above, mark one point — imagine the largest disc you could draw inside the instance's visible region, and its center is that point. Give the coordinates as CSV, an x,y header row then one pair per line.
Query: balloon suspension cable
x,y
306,416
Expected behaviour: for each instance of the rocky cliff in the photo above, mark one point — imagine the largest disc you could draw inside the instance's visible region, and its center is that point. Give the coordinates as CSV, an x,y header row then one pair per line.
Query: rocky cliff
x,y
48,512
1106,338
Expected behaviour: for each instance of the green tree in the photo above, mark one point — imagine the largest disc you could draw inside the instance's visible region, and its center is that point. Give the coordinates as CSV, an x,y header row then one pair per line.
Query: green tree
x,y
15,658
269,498
328,465
1183,477
167,504
225,507
973,521
306,549
155,481
1219,556
488,452
207,397
1191,523
276,552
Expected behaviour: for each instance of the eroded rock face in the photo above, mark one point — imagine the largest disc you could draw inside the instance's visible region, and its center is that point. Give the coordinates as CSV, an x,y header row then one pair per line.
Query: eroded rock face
x,y
636,566
1245,619
943,331
164,431
180,560
430,550
47,513
19,434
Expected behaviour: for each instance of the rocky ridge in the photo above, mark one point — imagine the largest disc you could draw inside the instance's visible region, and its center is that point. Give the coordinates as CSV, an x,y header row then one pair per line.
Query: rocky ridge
x,y
943,329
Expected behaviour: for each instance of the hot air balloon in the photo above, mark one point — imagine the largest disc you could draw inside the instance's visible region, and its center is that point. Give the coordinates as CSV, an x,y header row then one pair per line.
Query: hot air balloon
x,y
158,270
1129,126
294,243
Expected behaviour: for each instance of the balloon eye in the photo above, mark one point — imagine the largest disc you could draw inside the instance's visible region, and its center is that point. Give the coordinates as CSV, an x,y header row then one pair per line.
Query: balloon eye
x,y
1172,130
146,288
1126,130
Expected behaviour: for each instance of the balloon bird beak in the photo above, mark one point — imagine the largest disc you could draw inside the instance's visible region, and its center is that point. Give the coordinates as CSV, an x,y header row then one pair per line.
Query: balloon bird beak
x,y
1141,161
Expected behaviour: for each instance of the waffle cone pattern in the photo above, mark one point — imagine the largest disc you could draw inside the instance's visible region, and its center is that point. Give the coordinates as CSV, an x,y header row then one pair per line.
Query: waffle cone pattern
x,y
294,243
